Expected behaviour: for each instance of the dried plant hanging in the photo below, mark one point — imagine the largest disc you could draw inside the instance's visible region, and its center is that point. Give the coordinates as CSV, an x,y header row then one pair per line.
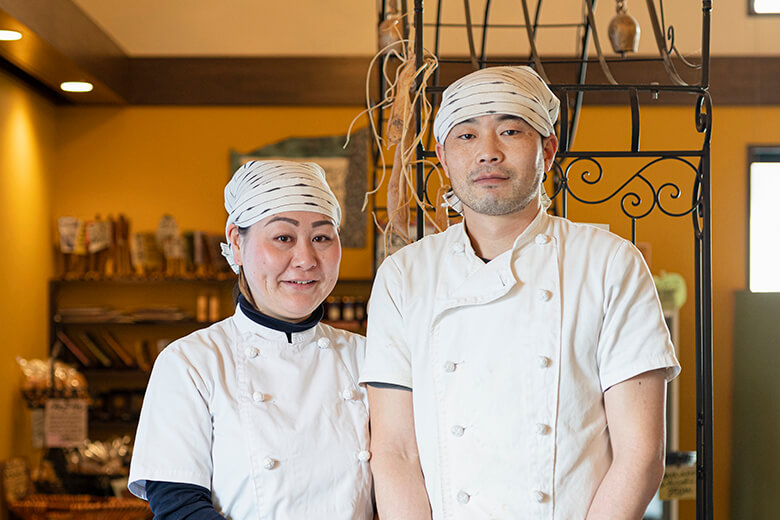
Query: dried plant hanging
x,y
406,85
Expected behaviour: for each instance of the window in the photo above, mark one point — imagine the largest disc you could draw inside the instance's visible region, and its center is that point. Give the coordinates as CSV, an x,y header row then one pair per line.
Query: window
x,y
764,6
764,219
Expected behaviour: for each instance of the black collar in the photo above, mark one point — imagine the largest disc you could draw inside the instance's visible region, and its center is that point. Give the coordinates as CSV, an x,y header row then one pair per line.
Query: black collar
x,y
281,325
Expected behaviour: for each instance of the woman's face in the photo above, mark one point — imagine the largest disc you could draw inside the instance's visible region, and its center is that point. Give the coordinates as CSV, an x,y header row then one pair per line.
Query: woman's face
x,y
291,262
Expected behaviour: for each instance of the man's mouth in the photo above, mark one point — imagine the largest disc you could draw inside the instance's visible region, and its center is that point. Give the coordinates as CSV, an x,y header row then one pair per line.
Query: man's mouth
x,y
301,282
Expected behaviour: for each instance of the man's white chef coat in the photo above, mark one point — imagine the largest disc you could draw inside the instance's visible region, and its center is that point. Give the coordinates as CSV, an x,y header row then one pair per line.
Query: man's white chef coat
x,y
508,361
275,430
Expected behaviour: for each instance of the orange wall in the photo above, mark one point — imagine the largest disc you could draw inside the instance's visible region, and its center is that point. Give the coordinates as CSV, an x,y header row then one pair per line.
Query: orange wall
x,y
27,126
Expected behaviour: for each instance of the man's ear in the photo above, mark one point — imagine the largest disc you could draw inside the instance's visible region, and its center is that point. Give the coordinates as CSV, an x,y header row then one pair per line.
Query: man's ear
x,y
550,148
440,155
236,241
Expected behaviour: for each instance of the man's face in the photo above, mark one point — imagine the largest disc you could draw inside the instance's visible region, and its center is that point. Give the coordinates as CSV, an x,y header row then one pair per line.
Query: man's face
x,y
495,163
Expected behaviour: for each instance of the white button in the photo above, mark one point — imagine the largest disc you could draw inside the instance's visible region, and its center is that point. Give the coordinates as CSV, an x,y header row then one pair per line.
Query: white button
x,y
538,495
323,343
457,430
544,361
542,429
449,366
251,352
348,394
259,397
541,239
463,497
364,455
545,295
458,248
269,463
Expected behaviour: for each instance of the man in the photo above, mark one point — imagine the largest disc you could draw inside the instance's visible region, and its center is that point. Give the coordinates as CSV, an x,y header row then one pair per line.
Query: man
x,y
516,363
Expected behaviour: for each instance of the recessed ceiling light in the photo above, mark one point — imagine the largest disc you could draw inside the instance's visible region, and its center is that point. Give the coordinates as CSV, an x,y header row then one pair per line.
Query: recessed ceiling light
x,y
76,86
9,36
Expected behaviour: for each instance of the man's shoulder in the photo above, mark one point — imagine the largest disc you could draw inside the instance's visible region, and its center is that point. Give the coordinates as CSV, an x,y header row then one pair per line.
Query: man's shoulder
x,y
591,233
429,247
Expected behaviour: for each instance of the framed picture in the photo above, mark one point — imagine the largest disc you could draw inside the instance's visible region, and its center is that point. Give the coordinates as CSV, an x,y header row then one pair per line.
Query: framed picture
x,y
345,169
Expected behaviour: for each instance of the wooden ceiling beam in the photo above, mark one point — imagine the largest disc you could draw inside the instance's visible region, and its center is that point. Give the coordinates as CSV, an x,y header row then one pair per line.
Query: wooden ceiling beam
x,y
61,43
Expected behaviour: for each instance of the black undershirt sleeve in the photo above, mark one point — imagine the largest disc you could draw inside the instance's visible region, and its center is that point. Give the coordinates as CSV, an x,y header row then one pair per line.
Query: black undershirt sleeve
x,y
388,385
177,501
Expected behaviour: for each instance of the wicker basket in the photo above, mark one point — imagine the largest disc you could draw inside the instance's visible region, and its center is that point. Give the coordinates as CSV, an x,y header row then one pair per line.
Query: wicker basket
x,y
111,509
80,507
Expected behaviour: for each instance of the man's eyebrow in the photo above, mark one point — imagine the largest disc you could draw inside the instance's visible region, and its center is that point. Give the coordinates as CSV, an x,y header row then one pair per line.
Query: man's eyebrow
x,y
283,219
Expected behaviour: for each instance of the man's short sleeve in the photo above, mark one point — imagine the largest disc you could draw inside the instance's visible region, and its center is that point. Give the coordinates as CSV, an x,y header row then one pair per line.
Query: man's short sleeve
x,y
388,357
634,338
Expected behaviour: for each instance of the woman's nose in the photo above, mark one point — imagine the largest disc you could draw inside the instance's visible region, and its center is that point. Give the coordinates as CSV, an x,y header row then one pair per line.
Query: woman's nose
x,y
489,150
305,256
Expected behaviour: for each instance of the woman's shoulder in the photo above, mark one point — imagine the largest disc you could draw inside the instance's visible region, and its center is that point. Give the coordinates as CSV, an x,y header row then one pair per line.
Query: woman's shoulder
x,y
340,337
350,346
204,344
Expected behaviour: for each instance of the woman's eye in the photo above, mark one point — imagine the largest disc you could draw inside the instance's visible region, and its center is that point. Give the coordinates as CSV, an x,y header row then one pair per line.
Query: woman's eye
x,y
511,131
284,238
322,238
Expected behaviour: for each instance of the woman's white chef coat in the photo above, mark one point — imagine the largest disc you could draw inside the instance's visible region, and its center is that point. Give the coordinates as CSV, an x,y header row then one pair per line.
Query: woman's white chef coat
x,y
508,362
275,430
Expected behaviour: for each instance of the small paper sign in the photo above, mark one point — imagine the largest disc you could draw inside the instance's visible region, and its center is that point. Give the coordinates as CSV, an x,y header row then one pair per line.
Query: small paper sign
x,y
65,422
679,483
72,235
98,235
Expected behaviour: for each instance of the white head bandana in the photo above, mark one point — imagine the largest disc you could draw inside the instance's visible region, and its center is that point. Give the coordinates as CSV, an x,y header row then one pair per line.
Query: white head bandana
x,y
260,189
516,91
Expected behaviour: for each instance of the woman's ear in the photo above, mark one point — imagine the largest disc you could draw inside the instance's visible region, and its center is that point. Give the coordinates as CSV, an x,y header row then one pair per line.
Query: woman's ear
x,y
236,241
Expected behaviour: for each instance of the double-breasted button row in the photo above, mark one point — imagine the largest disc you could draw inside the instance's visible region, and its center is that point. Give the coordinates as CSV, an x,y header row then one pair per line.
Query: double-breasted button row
x,y
361,456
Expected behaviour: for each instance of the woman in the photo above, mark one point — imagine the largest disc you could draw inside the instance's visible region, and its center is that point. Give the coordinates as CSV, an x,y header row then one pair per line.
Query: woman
x,y
260,415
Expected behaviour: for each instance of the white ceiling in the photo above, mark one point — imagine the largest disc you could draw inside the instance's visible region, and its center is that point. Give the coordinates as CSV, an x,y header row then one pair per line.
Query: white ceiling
x,y
347,27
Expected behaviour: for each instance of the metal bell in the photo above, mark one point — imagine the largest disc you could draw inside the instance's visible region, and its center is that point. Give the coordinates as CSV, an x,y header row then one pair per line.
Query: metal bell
x,y
623,31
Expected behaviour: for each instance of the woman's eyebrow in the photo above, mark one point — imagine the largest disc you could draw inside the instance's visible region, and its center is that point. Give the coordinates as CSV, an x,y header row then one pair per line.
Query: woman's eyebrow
x,y
323,223
283,219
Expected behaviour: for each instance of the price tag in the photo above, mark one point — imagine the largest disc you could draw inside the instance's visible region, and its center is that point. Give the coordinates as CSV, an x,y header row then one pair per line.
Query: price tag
x,y
65,422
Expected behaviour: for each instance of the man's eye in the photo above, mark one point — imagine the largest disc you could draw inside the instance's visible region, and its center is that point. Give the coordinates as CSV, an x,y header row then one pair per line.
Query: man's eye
x,y
466,136
511,131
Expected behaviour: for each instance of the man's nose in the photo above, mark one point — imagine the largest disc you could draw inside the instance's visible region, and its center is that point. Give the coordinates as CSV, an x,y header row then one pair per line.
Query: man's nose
x,y
489,151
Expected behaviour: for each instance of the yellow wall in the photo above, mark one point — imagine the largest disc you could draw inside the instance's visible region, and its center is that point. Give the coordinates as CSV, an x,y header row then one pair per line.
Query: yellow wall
x,y
144,161
27,129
